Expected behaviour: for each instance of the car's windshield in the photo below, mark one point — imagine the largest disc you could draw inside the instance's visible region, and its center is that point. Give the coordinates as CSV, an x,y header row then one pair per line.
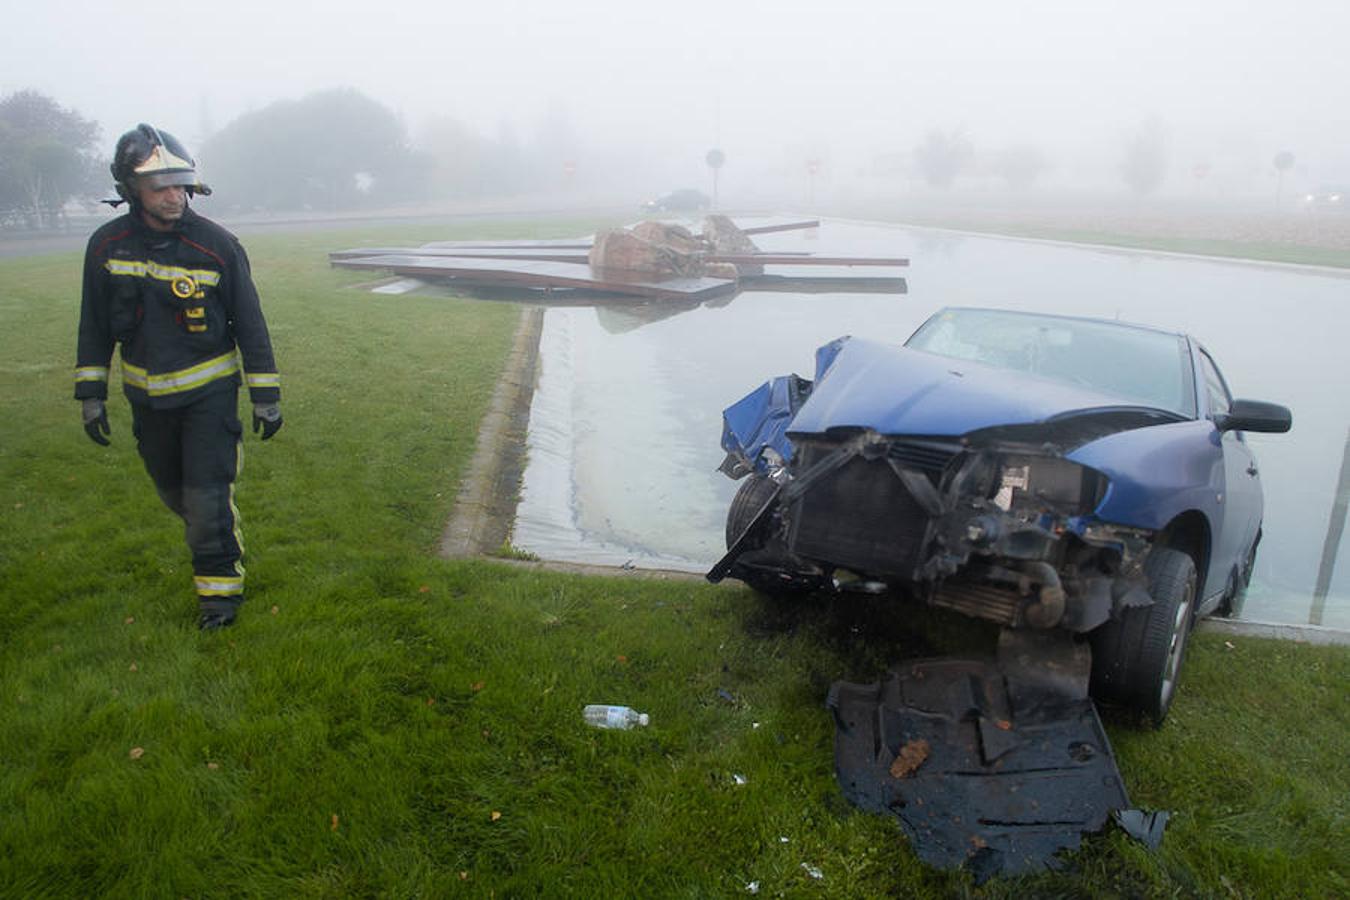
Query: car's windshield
x,y
1136,364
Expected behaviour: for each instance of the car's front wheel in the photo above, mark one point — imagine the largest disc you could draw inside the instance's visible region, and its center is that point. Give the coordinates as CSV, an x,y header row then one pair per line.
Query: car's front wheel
x,y
764,569
750,498
1136,659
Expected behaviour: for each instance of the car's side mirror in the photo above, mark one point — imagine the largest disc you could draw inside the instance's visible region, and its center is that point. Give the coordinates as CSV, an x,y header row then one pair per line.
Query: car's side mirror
x,y
1254,415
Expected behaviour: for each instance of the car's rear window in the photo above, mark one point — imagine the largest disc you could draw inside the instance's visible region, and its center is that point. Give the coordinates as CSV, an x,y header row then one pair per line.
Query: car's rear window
x,y
1138,365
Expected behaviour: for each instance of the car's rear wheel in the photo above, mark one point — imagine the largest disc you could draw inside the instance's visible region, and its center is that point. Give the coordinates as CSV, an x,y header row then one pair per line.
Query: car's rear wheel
x,y
1231,606
1137,659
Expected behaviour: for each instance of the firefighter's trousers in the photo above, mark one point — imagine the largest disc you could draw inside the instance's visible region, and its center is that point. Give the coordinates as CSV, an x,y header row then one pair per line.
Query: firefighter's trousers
x,y
193,454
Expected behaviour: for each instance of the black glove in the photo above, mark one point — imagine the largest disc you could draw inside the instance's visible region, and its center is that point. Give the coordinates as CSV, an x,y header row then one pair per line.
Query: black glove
x,y
266,416
95,421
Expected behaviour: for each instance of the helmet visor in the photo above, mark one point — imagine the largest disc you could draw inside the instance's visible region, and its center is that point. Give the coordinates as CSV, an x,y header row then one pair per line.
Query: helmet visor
x,y
186,178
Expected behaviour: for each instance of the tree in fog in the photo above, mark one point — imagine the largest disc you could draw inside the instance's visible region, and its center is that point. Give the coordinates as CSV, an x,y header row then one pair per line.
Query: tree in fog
x,y
941,157
1020,166
331,150
48,154
460,163
1144,165
1283,162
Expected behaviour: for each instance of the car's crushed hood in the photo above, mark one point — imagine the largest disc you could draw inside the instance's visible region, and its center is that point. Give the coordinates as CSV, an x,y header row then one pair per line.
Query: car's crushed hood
x,y
892,390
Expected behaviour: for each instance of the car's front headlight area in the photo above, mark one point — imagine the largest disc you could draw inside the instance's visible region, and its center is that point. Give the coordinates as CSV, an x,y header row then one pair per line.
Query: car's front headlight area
x,y
1034,486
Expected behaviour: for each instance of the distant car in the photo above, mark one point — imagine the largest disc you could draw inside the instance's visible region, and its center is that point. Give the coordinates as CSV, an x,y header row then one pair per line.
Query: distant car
x,y
1328,199
684,200
1042,472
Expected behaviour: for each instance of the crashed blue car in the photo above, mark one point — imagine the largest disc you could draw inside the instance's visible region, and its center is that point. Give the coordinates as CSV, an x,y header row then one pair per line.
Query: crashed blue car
x,y
1037,471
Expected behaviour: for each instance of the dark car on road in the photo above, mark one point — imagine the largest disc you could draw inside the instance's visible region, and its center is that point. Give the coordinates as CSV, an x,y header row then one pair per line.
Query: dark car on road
x,y
1042,472
683,200
1328,198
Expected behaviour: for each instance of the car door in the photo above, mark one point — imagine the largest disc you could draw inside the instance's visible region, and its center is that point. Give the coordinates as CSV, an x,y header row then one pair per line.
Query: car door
x,y
1241,499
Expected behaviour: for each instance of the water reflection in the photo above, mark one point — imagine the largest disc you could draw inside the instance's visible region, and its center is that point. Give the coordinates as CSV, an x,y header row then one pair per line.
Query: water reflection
x,y
624,430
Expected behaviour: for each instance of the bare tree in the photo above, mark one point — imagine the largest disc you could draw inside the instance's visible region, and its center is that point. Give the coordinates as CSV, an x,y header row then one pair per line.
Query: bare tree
x,y
1020,166
941,157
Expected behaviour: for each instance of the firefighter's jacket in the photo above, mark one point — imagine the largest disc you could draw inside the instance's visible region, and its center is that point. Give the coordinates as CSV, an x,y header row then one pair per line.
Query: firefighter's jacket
x,y
183,307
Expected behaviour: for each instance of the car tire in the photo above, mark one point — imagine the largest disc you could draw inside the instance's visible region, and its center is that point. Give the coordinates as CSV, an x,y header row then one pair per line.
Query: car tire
x,y
1137,659
754,492
762,571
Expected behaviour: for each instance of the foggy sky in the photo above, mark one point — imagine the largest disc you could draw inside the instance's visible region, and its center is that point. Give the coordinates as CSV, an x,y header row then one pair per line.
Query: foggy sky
x,y
760,79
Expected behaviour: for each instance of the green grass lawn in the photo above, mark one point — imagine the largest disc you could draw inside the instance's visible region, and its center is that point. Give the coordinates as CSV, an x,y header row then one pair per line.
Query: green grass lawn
x,y
382,722
1265,251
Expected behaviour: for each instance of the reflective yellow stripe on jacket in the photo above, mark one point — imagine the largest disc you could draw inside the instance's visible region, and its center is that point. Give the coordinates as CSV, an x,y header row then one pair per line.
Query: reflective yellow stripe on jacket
x,y
183,380
263,379
144,268
91,373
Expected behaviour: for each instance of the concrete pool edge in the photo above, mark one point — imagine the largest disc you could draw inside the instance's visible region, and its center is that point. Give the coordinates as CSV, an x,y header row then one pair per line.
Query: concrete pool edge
x,y
485,505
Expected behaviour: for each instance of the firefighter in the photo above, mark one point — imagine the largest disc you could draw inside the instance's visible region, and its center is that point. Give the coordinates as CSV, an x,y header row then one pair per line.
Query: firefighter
x,y
174,290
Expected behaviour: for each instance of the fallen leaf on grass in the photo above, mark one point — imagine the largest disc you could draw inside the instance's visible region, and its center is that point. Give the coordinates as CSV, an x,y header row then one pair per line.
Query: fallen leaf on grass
x,y
129,620
137,752
213,766
275,610
424,589
496,815
463,876
334,825
477,686
1229,645
133,668
431,701
910,757
621,658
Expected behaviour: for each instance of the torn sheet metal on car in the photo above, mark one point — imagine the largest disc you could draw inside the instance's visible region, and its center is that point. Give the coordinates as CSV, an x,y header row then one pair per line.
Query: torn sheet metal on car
x,y
995,765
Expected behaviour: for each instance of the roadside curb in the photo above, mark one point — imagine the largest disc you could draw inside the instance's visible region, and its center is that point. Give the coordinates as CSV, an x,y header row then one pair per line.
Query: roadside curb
x,y
477,525
1303,634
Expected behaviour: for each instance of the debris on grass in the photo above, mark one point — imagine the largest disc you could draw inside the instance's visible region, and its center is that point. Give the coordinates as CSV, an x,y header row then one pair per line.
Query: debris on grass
x,y
137,752
813,871
739,779
1145,827
333,825
495,815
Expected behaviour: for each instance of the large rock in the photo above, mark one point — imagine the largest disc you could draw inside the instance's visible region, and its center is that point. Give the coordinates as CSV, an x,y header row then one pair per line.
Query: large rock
x,y
722,235
652,248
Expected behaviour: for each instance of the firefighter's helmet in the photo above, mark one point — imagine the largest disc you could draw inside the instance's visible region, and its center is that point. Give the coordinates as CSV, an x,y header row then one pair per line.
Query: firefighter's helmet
x,y
147,156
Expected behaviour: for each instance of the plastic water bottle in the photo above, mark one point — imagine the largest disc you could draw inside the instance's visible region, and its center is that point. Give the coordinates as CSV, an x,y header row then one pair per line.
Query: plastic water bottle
x,y
620,717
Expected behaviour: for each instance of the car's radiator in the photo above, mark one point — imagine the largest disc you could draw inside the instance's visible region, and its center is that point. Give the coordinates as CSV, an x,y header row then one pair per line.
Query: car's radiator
x,y
860,517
